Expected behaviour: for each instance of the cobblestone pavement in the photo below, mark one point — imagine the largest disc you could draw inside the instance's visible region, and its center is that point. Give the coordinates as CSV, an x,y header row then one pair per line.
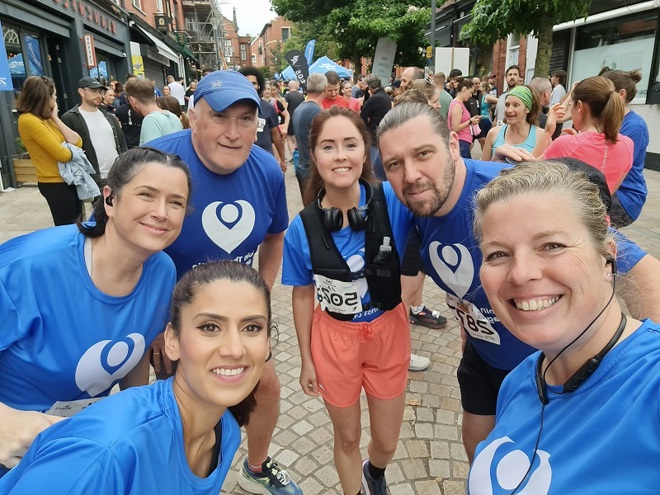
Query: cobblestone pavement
x,y
429,459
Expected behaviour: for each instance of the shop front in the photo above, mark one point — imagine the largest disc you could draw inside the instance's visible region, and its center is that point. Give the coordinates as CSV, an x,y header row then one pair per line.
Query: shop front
x,y
61,39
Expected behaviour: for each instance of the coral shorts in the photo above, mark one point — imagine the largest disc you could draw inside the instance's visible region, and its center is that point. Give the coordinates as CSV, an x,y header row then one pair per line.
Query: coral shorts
x,y
348,356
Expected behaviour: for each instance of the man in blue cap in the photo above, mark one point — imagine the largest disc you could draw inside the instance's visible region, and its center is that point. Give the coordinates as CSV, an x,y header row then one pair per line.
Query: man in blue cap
x,y
238,206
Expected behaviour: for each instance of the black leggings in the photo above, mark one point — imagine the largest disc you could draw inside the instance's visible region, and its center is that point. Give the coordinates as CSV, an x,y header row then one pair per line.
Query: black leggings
x,y
65,207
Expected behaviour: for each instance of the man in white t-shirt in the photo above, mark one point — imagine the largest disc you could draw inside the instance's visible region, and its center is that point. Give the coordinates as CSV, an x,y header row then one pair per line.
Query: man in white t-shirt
x,y
100,131
177,90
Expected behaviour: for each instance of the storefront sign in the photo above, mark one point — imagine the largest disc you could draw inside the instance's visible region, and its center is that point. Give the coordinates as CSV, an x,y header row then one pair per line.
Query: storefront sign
x,y
90,52
88,13
5,76
162,22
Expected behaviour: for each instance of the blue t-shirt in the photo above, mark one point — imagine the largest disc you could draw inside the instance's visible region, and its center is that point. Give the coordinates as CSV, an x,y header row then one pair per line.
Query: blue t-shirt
x,y
602,438
297,264
231,214
267,121
633,191
452,258
63,339
129,443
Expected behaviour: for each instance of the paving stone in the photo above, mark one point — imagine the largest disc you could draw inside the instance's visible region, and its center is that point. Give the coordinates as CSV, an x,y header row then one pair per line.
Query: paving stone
x,y
429,458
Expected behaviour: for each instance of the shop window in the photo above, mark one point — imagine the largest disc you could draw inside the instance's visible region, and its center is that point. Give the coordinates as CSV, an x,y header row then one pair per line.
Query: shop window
x,y
620,43
23,54
17,68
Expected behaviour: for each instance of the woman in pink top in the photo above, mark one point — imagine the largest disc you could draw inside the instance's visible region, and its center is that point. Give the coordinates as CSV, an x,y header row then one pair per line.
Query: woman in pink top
x,y
353,103
597,112
459,119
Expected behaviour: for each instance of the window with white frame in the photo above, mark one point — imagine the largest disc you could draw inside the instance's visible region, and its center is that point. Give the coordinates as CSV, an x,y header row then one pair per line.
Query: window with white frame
x,y
137,4
243,52
159,6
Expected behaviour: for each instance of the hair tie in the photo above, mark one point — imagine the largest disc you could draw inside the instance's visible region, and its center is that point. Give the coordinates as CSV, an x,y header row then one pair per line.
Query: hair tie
x,y
525,95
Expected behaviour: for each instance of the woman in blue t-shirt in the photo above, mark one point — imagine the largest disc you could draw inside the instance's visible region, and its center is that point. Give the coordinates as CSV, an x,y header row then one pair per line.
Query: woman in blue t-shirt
x,y
582,415
177,435
81,304
631,194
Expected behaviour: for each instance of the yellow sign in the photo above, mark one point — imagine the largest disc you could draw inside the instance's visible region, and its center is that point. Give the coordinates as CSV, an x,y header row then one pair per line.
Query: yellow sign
x,y
138,65
429,52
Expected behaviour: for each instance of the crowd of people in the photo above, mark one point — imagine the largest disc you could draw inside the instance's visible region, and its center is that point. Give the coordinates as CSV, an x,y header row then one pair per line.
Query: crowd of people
x,y
190,190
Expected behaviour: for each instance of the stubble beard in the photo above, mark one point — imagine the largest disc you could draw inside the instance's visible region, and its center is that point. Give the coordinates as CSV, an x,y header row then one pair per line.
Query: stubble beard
x,y
429,207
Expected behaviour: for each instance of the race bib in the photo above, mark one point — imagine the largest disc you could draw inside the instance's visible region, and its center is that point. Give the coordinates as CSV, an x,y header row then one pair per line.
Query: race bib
x,y
68,408
472,320
337,296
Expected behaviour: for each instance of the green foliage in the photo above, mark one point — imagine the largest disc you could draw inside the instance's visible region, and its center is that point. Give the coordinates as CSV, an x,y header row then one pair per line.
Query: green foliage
x,y
495,19
313,30
354,26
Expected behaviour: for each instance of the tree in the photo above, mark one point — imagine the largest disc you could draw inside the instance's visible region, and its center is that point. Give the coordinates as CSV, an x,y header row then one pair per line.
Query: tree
x,y
357,24
493,20
312,30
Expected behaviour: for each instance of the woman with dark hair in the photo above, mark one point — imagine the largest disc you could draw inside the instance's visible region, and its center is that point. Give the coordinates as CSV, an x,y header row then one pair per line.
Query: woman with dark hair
x,y
597,112
177,435
521,130
631,195
43,133
82,304
459,119
343,245
120,95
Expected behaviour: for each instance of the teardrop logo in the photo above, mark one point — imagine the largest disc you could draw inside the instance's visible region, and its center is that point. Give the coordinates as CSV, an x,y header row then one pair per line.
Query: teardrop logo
x,y
228,224
509,466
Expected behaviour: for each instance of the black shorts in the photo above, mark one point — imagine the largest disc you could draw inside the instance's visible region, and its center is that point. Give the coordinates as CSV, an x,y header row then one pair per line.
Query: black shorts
x,y
479,382
412,259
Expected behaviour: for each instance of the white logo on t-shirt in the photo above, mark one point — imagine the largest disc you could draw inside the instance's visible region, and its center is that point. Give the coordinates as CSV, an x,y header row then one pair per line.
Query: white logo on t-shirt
x,y
510,471
107,361
355,264
229,226
454,266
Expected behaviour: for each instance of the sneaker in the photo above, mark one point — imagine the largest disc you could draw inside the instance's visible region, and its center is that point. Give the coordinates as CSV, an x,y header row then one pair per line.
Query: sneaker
x,y
428,318
371,486
418,363
272,480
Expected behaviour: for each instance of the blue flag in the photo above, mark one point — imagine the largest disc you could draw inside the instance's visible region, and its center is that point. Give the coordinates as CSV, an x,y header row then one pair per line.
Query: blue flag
x,y
5,76
309,51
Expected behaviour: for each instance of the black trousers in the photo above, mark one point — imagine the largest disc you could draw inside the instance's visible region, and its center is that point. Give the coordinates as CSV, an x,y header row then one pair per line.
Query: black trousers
x,y
65,207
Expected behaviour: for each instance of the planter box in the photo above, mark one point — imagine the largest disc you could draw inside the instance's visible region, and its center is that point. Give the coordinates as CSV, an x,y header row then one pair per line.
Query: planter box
x,y
24,170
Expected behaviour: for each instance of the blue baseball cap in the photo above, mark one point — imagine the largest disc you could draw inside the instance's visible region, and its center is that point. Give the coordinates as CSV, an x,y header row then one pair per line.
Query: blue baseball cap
x,y
222,88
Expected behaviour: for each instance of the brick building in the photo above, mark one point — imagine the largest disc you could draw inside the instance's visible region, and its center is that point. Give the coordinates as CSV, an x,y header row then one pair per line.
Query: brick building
x,y
267,47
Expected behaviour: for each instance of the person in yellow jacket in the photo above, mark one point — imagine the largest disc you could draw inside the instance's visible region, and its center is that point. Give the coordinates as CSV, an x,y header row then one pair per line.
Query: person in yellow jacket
x,y
43,134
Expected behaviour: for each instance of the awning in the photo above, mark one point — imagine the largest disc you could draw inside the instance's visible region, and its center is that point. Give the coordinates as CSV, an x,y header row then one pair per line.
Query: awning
x,y
187,53
163,49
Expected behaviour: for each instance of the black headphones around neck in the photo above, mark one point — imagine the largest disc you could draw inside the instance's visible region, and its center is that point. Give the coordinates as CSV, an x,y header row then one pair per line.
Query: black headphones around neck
x,y
333,218
585,371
